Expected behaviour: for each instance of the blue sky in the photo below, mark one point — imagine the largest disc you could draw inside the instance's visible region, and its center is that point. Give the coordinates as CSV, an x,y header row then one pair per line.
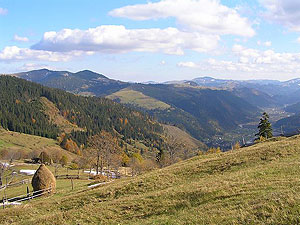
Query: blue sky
x,y
157,40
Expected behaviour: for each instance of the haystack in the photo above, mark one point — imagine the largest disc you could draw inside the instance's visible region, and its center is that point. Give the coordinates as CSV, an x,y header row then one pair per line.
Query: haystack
x,y
43,179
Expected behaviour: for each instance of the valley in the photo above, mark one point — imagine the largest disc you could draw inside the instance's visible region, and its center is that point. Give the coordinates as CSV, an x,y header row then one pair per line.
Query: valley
x,y
214,111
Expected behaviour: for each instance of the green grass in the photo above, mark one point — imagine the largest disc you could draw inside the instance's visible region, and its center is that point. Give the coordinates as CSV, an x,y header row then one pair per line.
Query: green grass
x,y
63,185
136,98
4,144
28,143
255,185
184,137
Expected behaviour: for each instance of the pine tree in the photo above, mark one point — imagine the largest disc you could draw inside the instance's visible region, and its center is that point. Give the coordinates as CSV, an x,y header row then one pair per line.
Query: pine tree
x,y
265,127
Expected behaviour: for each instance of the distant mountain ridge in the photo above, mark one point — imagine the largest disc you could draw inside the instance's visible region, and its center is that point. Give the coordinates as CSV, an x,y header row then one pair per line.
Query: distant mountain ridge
x,y
201,111
262,93
83,82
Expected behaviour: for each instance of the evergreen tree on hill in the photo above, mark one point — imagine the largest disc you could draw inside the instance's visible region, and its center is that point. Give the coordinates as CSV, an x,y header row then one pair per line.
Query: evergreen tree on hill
x,y
265,127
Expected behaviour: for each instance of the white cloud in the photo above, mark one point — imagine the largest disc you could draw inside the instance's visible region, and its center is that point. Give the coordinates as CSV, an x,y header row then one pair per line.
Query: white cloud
x,y
32,66
252,61
285,12
270,57
3,11
14,53
187,64
21,39
118,39
163,62
208,16
266,44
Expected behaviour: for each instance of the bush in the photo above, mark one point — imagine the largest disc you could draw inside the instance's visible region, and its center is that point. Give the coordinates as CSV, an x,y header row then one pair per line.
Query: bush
x,y
64,160
45,158
74,166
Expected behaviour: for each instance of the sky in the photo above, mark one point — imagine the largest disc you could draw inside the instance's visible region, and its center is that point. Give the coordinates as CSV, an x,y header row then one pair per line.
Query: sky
x,y
158,40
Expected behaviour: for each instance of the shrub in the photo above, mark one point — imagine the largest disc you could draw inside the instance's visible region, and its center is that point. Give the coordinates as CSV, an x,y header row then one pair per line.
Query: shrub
x,y
64,160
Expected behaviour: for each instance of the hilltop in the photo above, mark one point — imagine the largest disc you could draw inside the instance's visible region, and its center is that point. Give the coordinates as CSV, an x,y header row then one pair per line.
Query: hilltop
x,y
253,185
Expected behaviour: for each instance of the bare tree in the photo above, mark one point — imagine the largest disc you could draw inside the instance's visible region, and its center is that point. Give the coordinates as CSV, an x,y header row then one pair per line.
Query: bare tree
x,y
174,148
104,147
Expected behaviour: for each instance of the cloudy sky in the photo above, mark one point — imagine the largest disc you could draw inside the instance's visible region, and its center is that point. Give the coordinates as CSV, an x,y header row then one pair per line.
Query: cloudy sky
x,y
159,40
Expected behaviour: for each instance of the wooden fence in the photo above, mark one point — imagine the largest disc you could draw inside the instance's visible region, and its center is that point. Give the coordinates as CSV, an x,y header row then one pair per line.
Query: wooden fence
x,y
26,197
67,176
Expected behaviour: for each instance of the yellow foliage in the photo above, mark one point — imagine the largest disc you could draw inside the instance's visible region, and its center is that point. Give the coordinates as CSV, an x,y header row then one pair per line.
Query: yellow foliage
x,y
214,150
261,139
137,156
125,159
236,146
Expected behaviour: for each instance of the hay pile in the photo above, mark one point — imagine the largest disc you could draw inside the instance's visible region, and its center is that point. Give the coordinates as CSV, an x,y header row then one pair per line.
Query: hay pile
x,y
43,179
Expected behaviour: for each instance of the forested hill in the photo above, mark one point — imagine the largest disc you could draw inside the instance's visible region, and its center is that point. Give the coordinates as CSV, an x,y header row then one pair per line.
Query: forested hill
x,y
24,105
84,82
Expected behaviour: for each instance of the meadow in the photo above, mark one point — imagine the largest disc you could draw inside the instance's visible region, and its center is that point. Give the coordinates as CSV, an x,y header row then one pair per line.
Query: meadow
x,y
254,185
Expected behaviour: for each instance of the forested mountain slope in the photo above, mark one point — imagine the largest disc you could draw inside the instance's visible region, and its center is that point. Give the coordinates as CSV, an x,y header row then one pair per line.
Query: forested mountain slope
x,y
23,110
202,112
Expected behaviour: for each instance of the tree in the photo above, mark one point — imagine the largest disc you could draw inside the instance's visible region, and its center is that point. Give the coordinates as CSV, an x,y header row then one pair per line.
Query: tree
x,y
265,127
45,158
236,146
105,148
214,150
64,160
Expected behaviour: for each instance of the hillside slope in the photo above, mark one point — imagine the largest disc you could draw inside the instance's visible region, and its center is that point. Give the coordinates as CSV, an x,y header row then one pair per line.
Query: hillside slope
x,y
26,144
254,185
210,111
183,137
30,108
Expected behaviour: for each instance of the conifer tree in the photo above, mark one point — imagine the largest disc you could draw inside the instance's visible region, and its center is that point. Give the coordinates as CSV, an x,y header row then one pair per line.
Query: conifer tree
x,y
265,127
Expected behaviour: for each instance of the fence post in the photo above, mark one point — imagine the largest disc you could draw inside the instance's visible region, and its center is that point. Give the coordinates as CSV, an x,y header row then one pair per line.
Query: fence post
x,y
72,184
28,193
5,197
3,202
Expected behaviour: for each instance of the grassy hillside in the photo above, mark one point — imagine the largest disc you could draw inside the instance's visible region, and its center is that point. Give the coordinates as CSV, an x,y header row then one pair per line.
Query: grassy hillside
x,y
28,143
56,118
254,185
184,137
138,99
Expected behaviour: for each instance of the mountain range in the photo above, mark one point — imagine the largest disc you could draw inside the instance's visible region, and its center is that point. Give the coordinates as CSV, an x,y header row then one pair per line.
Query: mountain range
x,y
205,107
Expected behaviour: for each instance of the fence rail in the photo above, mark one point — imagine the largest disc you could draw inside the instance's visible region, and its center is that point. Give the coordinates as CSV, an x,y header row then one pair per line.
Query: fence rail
x,y
26,197
66,176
